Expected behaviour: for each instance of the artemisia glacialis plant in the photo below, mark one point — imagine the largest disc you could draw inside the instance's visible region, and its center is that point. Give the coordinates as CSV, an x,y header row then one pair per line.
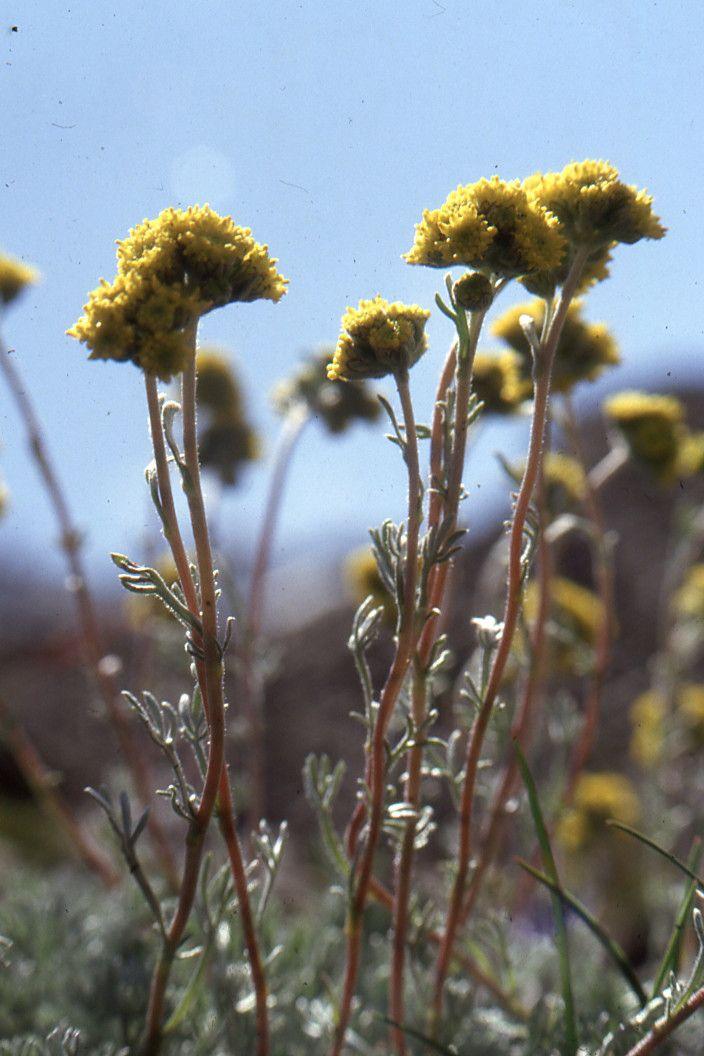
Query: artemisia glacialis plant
x,y
429,968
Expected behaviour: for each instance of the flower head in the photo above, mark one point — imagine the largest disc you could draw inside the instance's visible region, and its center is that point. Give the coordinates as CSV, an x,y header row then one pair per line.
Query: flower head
x,y
170,271
690,707
653,428
497,381
597,797
689,599
583,351
594,207
336,404
576,616
690,457
226,440
648,712
490,225
378,338
565,481
14,276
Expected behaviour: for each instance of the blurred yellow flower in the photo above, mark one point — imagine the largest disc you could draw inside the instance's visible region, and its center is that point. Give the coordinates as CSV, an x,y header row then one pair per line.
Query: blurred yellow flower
x,y
170,271
689,599
690,706
336,404
653,428
14,276
226,440
364,581
378,338
597,797
583,352
576,615
647,716
497,382
594,207
565,481
489,225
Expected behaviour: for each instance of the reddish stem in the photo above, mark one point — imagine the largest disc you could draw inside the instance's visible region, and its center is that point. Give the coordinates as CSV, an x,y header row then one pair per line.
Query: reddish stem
x,y
543,376
404,654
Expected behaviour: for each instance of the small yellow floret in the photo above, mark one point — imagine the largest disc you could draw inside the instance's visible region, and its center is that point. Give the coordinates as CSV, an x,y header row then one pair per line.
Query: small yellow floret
x,y
594,207
378,338
490,225
14,276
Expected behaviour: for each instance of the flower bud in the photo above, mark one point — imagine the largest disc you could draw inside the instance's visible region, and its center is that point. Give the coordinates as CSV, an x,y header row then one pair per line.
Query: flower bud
x,y
473,292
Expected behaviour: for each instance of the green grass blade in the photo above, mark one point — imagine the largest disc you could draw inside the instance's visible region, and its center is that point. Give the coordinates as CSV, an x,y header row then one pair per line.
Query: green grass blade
x,y
672,858
672,953
610,945
190,993
561,938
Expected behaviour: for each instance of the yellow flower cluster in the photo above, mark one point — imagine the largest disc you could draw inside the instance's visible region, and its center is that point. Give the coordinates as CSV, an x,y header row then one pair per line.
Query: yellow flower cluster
x,y
583,352
14,276
364,581
576,615
490,225
647,716
689,599
226,440
335,403
497,382
378,338
597,797
170,271
652,426
593,205
690,705
565,480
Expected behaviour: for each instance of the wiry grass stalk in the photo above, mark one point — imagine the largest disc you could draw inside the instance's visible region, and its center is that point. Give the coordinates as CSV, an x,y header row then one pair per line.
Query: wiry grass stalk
x,y
70,542
543,378
405,649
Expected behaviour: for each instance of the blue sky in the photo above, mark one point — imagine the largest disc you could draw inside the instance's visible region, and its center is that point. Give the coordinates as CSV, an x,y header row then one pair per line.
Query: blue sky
x,y
327,128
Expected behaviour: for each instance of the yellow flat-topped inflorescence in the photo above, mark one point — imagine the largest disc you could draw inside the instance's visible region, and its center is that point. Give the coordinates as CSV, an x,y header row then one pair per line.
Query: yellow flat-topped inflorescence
x,y
489,225
378,338
14,277
171,271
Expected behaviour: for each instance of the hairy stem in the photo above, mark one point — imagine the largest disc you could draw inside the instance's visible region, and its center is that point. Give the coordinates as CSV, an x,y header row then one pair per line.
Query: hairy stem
x,y
543,377
443,508
405,648
520,727
93,645
664,1030
210,678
